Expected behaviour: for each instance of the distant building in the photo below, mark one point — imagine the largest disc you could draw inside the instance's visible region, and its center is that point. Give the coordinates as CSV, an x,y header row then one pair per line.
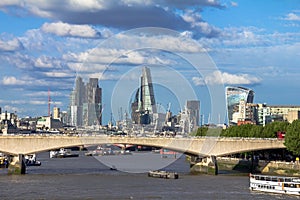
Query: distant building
x,y
193,109
263,114
283,110
48,123
234,95
293,115
144,105
56,113
85,103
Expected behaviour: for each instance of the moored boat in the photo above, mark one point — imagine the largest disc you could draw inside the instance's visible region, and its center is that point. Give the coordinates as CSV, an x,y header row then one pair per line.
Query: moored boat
x,y
62,153
275,184
163,174
30,160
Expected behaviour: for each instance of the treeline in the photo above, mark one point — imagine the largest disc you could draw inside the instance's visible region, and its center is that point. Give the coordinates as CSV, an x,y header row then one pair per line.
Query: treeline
x,y
246,130
292,136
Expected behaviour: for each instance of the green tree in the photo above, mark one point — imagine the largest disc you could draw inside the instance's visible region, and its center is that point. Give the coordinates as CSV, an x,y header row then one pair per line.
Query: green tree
x,y
292,137
270,130
202,131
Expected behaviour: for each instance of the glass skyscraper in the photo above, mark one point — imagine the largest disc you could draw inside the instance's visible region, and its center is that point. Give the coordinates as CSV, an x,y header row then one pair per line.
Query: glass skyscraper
x,y
233,97
144,102
86,103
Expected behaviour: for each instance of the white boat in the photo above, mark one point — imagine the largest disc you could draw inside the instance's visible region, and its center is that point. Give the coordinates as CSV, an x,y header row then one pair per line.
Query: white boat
x,y
62,153
275,184
30,160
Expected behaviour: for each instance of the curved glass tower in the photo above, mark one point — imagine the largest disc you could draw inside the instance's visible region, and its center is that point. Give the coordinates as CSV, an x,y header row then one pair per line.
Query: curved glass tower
x,y
233,97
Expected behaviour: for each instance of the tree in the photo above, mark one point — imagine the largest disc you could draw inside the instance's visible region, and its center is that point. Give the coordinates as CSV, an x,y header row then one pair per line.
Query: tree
x,y
270,130
292,137
202,131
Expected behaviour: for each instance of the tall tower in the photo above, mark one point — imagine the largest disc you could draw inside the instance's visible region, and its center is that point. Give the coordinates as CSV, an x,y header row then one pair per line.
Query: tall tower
x,y
86,103
76,100
147,100
92,106
193,109
144,103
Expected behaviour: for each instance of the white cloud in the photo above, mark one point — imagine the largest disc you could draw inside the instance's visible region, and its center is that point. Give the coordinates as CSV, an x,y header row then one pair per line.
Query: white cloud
x,y
225,78
59,74
11,80
11,45
25,81
195,19
292,17
47,62
233,4
64,29
44,94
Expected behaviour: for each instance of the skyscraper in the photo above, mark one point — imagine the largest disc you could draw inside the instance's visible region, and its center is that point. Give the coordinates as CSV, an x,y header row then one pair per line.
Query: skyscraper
x,y
193,109
86,103
144,103
233,97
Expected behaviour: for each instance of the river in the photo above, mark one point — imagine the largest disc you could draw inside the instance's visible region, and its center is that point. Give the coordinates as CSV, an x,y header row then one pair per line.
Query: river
x,y
85,177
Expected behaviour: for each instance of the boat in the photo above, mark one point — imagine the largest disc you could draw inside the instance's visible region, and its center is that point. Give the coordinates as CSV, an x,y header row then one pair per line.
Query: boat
x,y
30,160
107,151
62,153
163,174
275,184
100,151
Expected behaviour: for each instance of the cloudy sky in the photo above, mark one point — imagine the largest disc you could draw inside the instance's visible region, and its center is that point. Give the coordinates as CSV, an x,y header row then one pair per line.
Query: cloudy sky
x,y
193,48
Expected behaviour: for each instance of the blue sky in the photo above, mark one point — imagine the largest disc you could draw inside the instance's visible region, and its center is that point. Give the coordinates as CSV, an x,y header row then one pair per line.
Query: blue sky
x,y
45,44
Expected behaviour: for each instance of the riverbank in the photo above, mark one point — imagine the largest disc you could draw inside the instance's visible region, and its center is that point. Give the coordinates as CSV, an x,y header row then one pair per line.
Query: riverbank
x,y
235,166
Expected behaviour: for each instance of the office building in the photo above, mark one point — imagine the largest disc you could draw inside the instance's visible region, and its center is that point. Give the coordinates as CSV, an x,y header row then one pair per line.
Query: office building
x,y
85,103
234,95
144,106
193,110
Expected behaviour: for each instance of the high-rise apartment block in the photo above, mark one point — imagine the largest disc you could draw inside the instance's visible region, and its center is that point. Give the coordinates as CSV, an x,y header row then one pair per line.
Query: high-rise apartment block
x,y
85,103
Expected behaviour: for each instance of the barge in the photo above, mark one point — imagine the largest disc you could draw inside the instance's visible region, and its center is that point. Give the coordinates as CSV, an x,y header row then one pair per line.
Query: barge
x,y
163,174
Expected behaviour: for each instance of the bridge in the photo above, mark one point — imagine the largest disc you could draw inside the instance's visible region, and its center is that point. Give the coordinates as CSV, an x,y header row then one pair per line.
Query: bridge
x,y
20,145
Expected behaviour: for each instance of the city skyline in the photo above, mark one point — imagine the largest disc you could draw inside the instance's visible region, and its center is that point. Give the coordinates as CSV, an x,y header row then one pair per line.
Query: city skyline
x,y
45,45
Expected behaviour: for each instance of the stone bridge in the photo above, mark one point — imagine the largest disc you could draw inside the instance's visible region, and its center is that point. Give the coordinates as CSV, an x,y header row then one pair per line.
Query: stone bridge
x,y
199,146
20,145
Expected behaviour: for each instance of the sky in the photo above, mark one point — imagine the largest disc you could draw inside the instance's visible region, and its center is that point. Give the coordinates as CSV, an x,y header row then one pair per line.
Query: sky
x,y
194,49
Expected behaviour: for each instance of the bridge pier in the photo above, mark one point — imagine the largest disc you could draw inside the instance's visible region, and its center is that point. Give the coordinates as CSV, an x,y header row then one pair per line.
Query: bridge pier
x,y
17,165
205,165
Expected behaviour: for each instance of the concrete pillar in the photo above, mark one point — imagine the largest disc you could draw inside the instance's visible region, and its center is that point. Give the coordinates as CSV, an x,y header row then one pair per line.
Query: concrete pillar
x,y
206,165
17,165
213,166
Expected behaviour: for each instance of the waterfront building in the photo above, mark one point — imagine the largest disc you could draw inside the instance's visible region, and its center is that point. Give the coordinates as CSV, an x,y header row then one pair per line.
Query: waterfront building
x,y
233,97
85,103
144,105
